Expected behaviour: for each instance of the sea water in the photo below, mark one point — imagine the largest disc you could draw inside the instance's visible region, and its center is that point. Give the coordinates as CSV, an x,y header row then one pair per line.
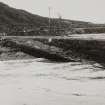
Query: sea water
x,y
40,82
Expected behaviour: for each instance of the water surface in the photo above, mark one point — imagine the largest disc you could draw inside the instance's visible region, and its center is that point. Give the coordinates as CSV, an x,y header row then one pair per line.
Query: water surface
x,y
40,82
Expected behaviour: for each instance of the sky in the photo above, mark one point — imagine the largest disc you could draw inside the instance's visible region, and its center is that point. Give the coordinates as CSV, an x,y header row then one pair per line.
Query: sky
x,y
83,10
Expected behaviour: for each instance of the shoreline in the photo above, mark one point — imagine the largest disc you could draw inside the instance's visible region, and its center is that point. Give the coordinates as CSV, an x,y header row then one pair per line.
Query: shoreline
x,y
72,49
7,54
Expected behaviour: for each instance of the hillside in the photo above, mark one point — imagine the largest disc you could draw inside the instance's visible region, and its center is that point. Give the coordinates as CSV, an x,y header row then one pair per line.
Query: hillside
x,y
10,15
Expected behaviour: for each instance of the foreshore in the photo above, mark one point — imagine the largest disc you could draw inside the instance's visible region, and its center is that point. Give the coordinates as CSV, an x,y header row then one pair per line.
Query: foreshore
x,y
62,49
37,82
10,54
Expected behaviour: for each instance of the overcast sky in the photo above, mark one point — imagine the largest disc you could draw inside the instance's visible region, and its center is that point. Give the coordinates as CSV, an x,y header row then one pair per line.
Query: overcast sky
x,y
86,10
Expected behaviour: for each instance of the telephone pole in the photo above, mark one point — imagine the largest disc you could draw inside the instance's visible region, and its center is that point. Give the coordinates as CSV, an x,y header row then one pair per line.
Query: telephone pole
x,y
59,22
49,19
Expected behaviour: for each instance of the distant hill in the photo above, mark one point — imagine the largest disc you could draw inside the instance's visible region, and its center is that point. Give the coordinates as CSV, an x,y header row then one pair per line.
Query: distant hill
x,y
9,15
12,16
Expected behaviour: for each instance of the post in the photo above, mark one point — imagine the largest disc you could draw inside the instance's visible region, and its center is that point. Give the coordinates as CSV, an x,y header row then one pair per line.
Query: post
x,y
59,22
49,40
49,19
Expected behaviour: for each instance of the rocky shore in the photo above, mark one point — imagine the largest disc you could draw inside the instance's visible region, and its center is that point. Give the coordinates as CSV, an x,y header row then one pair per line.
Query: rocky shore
x,y
56,50
7,53
36,49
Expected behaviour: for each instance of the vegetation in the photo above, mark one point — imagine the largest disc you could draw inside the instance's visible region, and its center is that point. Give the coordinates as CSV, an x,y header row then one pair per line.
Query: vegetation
x,y
11,17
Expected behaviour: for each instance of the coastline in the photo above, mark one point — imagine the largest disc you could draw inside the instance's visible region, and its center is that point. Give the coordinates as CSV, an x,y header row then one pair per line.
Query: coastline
x,y
9,54
73,49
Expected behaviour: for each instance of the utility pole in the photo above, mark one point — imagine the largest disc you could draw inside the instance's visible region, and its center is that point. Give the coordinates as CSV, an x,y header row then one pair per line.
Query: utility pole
x,y
60,19
49,19
59,22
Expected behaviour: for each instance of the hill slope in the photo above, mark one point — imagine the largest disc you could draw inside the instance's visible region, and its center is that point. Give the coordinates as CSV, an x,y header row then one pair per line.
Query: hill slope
x,y
12,16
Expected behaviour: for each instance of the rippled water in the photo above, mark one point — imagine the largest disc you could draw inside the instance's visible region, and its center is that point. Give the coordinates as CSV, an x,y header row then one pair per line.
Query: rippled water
x,y
39,82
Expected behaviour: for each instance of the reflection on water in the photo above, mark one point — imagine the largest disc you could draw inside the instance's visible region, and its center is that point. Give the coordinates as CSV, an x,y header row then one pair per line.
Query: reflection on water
x,y
37,82
43,68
